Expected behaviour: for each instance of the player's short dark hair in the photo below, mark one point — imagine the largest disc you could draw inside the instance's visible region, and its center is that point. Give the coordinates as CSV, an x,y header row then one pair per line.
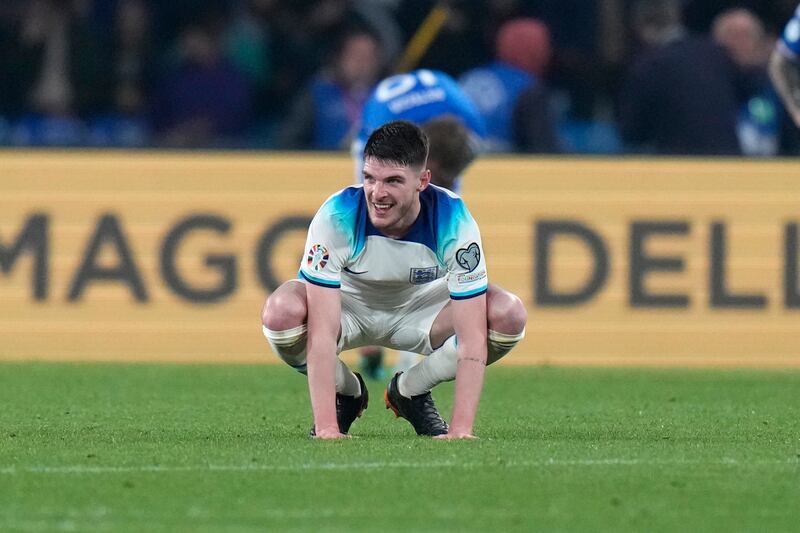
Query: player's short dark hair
x,y
400,142
451,148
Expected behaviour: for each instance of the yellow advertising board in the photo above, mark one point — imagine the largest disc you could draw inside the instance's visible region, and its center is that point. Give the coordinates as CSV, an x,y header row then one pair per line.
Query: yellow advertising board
x,y
168,256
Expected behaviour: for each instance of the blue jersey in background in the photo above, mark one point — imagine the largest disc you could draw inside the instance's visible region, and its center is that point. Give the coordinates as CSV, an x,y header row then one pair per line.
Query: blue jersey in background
x,y
495,89
416,96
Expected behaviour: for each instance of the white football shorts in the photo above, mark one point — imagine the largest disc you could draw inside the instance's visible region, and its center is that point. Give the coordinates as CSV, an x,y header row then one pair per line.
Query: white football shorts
x,y
406,328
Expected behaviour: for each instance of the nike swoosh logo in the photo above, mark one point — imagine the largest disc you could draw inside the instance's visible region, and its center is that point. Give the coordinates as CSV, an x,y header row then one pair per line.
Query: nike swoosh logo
x,y
352,272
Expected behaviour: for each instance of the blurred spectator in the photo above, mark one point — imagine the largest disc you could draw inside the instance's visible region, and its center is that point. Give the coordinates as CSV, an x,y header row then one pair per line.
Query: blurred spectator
x,y
741,33
204,100
222,72
680,96
583,65
247,42
699,15
534,123
785,67
762,120
307,32
522,52
327,20
325,116
381,19
63,72
129,74
52,72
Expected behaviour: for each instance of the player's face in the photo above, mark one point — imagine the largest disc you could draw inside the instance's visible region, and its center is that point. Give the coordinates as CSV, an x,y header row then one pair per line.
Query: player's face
x,y
392,193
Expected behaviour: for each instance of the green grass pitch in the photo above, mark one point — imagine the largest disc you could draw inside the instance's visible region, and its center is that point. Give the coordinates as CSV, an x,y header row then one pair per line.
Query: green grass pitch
x,y
87,447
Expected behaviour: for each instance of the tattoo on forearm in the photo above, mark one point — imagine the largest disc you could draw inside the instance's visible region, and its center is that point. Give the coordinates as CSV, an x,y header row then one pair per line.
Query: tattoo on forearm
x,y
472,359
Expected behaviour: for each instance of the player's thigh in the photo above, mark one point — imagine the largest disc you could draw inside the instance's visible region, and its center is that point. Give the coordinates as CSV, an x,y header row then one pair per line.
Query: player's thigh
x,y
443,327
354,330
411,329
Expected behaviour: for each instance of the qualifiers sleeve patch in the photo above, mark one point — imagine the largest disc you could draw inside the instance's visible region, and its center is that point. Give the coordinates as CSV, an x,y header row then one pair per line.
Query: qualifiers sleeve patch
x,y
469,257
317,257
470,277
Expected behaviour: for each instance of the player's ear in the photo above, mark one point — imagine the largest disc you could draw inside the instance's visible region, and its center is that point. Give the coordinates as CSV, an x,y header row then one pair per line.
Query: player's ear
x,y
424,179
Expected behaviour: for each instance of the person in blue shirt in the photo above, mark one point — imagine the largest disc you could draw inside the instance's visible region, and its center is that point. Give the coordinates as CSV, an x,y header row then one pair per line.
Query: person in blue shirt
x,y
761,119
455,129
326,115
522,53
784,67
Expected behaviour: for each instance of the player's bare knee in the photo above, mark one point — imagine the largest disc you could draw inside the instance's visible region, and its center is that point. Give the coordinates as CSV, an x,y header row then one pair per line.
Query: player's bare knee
x,y
506,313
284,309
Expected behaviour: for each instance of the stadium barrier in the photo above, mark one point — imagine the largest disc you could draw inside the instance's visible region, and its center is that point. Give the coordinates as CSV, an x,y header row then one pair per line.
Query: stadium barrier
x,y
155,256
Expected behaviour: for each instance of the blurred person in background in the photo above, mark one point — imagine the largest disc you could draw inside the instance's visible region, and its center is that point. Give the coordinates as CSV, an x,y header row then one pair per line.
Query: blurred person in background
x,y
681,94
589,51
522,52
306,33
248,42
785,67
52,72
762,121
128,76
455,130
203,100
326,115
699,15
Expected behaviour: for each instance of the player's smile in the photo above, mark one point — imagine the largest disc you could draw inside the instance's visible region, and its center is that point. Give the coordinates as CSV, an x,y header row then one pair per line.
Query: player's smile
x,y
382,208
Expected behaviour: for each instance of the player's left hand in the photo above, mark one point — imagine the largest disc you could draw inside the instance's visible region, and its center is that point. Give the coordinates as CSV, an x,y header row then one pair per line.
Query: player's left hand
x,y
455,434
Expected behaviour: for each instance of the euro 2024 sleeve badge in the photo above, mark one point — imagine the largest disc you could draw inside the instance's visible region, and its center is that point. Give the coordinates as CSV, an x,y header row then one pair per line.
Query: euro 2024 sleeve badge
x,y
317,257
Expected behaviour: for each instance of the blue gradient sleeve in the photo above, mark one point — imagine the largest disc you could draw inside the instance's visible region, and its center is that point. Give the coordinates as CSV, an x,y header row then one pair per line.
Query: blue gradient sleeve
x,y
332,239
461,249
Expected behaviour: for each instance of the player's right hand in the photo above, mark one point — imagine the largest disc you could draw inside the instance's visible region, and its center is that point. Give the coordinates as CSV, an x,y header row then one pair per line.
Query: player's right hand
x,y
330,434
456,435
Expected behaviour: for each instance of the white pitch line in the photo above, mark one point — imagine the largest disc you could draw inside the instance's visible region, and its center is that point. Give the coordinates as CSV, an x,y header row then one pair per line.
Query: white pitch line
x,y
88,469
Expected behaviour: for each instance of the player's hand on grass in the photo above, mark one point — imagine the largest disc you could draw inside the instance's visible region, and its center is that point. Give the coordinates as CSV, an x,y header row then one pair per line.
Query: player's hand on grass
x,y
456,434
330,433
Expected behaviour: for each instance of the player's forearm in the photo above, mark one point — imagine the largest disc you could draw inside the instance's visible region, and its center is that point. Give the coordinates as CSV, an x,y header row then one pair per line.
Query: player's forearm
x,y
785,75
469,384
321,367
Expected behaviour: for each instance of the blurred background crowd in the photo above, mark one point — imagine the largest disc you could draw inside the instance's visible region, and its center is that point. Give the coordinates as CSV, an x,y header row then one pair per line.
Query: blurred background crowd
x,y
601,76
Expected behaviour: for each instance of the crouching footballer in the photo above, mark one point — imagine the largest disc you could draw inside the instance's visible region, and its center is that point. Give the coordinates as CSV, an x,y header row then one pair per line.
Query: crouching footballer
x,y
395,262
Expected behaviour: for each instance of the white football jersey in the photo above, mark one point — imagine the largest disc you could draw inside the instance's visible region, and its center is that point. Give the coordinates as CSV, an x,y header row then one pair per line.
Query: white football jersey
x,y
441,252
